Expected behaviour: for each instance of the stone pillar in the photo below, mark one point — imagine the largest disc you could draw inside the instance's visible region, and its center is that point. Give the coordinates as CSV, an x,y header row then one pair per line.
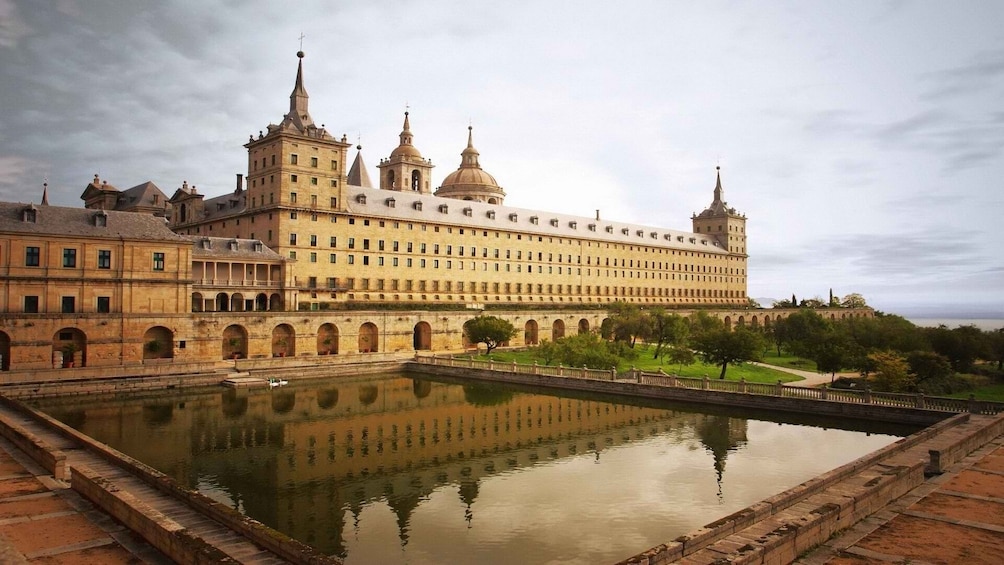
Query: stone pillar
x,y
536,370
704,383
561,370
779,391
742,384
972,405
920,401
824,392
867,395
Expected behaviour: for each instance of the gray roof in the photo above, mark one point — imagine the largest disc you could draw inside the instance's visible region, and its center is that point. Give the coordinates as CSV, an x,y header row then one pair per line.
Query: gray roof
x,y
80,222
231,248
146,195
226,205
412,206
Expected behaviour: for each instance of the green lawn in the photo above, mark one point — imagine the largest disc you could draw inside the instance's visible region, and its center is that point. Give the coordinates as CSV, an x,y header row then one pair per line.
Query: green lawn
x,y
790,361
751,373
993,393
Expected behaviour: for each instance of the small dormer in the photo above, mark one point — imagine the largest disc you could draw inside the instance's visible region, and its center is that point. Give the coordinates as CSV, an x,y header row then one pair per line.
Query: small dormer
x,y
417,205
640,233
573,225
390,202
490,214
206,243
100,219
258,246
30,214
513,217
232,244
443,208
533,220
625,231
361,199
610,229
554,222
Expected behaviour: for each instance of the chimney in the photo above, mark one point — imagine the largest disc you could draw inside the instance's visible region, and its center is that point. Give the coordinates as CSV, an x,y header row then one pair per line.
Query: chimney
x,y
240,182
597,215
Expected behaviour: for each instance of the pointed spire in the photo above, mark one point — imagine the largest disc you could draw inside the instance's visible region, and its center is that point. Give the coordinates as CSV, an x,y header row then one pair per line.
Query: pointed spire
x,y
470,154
406,131
357,173
298,98
45,193
718,184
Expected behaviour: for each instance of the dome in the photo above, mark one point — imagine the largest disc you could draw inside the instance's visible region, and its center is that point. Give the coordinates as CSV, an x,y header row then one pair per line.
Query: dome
x,y
405,151
469,178
470,181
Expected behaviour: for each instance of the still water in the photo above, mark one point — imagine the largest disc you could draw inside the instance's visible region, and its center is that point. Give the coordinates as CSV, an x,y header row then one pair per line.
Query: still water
x,y
395,469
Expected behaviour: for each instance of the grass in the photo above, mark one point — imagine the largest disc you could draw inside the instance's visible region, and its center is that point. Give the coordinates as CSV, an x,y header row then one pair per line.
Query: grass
x,y
790,361
994,393
751,373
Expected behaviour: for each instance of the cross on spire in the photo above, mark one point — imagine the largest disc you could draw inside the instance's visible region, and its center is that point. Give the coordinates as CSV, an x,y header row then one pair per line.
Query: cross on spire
x,y
301,40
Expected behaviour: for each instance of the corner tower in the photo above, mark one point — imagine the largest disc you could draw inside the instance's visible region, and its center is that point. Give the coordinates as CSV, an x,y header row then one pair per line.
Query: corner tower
x,y
296,163
470,181
728,228
405,169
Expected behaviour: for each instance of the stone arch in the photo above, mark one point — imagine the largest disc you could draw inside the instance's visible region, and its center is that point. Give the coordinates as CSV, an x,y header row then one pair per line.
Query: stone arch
x,y
493,200
158,343
183,213
327,398
728,323
766,321
369,338
422,336
416,180
327,339
421,388
390,178
275,302
4,352
583,326
530,330
283,401
283,341
222,302
261,302
237,302
72,344
198,303
235,342
754,322
368,394
557,330
741,322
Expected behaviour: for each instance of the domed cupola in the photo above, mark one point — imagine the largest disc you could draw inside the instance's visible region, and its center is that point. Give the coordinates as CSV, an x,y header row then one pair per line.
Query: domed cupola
x,y
405,169
470,181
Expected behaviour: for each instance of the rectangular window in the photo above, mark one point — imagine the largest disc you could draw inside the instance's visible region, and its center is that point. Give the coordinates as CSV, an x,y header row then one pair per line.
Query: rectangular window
x,y
313,257
32,256
333,242
313,162
292,178
293,159
313,181
104,305
313,240
158,261
352,259
292,239
31,305
69,258
104,259
332,258
69,304
292,196
366,245
352,243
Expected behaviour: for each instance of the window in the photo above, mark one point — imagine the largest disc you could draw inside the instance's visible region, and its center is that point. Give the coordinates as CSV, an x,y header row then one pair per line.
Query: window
x,y
352,259
158,262
104,259
69,304
31,305
292,195
352,243
69,258
333,242
313,257
313,162
313,181
292,239
32,256
313,241
104,305
332,258
293,159
292,178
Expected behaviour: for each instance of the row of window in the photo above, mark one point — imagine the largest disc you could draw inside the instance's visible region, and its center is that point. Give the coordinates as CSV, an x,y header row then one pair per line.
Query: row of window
x,y
294,159
407,285
33,258
68,304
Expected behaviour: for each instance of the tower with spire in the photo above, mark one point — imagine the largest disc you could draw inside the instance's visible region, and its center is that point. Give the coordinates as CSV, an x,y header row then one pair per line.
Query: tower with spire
x,y
296,163
727,228
470,181
405,169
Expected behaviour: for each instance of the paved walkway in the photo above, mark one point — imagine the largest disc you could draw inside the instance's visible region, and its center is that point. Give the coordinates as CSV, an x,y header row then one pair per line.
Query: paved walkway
x,y
43,521
812,378
956,517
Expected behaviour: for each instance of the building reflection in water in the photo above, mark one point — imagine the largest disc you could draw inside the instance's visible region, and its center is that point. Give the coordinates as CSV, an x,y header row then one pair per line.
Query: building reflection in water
x,y
309,458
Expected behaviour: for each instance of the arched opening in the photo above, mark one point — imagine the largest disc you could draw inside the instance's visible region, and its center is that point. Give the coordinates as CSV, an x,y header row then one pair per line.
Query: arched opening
x,y
530,336
237,302
234,405
283,402
283,341
222,302
766,321
421,388
728,323
422,337
754,322
368,394
327,398
235,342
369,338
557,330
197,302
416,180
741,322
391,179
583,326
183,214
71,343
158,343
493,201
327,339
261,302
275,302
4,352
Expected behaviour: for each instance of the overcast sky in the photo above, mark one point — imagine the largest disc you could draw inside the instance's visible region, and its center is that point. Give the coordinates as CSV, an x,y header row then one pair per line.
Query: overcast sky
x,y
863,140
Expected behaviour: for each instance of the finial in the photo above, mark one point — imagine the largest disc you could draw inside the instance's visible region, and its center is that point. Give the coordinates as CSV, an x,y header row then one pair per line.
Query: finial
x,y
718,167
45,192
300,52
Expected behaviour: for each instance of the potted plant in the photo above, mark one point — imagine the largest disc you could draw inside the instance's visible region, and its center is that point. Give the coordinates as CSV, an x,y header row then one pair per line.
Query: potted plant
x,y
69,351
327,345
153,346
234,343
281,345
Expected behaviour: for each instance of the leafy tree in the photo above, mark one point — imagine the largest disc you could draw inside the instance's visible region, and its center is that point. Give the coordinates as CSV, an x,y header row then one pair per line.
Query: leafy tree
x,y
679,356
931,373
628,322
667,330
489,330
582,350
854,300
891,372
803,330
701,322
815,302
721,347
831,351
962,346
995,347
753,303
784,304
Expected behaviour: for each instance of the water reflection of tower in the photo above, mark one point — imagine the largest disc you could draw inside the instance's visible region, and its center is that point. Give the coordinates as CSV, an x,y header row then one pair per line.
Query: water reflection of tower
x,y
720,435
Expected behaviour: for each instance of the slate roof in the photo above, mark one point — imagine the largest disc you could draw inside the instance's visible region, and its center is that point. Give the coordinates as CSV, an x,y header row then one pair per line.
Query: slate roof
x,y
146,195
80,222
223,248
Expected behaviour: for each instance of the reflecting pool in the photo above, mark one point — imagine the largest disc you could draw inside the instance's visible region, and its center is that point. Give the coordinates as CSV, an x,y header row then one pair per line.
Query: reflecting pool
x,y
396,469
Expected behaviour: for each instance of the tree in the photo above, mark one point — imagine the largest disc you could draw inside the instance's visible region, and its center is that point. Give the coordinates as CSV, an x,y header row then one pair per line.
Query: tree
x,y
628,322
753,303
962,346
854,300
815,302
891,373
667,330
783,304
721,347
931,373
803,330
489,330
583,350
679,356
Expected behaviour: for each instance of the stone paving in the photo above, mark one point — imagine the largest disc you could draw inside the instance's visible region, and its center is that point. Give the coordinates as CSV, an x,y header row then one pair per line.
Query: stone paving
x,y
43,521
956,517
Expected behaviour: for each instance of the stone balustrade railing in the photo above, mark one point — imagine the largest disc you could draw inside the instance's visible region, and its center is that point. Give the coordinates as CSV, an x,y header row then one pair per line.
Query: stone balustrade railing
x,y
921,401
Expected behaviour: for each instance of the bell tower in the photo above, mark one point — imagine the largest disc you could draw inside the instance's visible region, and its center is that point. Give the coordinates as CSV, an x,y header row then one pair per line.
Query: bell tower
x,y
405,170
727,228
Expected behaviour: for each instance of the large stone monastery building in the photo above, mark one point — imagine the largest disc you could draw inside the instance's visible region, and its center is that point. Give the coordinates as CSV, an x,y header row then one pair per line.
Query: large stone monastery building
x,y
406,242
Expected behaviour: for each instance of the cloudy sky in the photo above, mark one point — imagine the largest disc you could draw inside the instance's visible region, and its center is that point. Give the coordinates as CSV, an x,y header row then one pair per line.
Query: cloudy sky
x,y
863,139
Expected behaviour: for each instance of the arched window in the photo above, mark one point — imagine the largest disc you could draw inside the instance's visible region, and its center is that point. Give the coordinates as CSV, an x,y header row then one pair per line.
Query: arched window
x,y
416,180
390,179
